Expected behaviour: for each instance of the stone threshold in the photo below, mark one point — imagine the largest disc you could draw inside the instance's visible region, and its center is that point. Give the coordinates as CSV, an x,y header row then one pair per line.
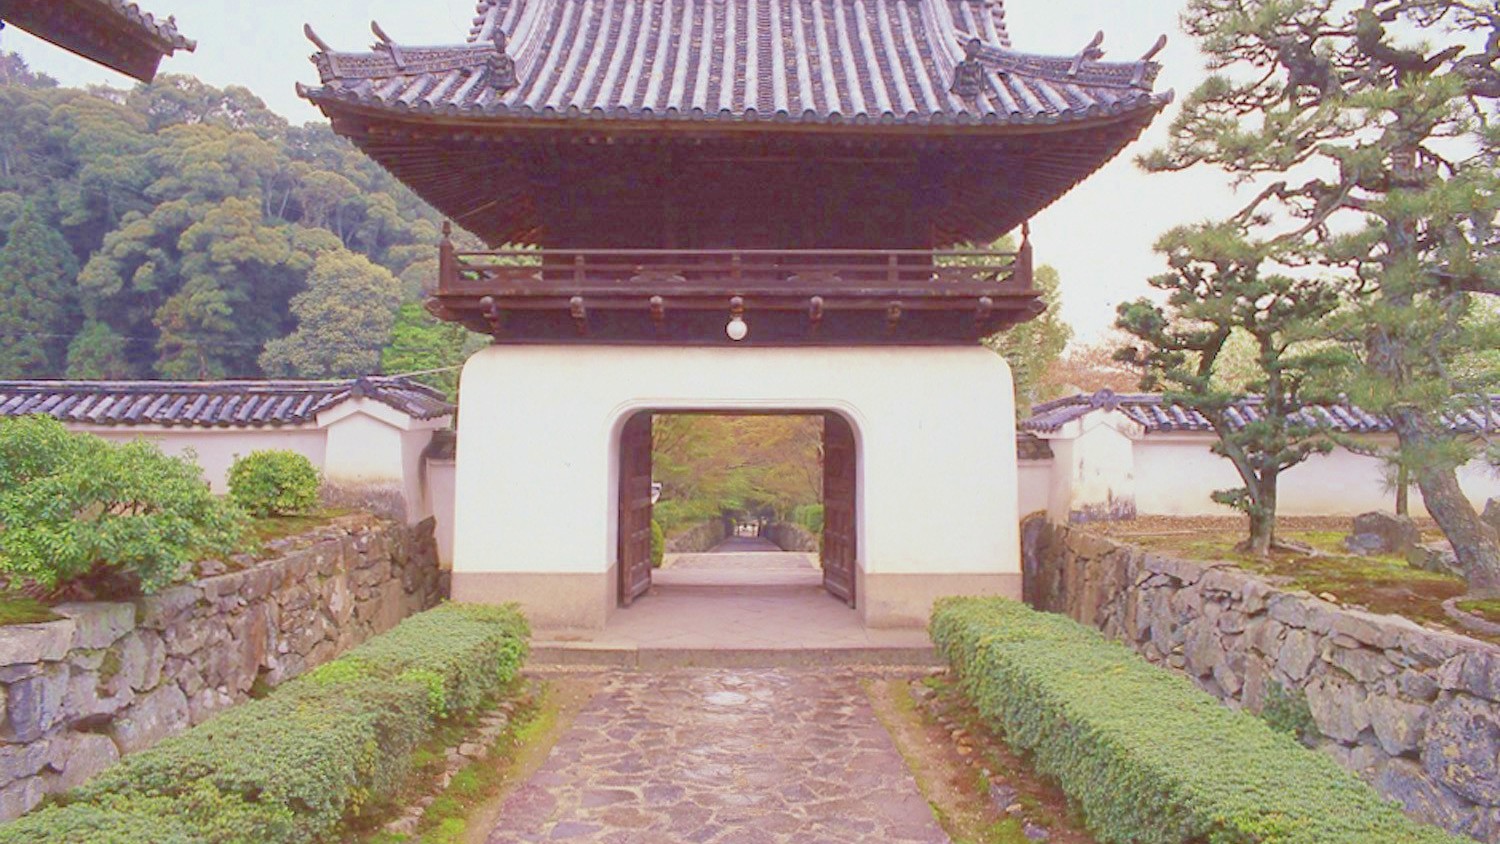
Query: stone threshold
x,y
544,653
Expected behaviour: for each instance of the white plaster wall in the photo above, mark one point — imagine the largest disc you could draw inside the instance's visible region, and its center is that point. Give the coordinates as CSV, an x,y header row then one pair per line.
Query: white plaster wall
x,y
440,479
364,450
1176,474
1101,470
217,448
537,477
1060,481
1034,482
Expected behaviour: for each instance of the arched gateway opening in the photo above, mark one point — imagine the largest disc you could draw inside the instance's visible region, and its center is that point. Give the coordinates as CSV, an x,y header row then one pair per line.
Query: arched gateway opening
x,y
838,482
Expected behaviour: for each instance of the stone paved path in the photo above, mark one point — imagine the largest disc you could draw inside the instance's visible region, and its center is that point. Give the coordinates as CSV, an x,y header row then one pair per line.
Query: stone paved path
x,y
723,757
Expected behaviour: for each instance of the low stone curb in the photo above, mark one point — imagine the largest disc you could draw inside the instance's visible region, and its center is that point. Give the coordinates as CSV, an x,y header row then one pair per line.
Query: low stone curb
x,y
473,749
1468,620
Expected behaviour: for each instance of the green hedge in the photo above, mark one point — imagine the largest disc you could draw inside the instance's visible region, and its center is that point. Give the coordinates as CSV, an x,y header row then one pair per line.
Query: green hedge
x,y
1148,757
291,768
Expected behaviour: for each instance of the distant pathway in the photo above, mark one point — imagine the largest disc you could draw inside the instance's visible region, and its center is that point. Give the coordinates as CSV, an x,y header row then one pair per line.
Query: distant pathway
x,y
723,757
745,545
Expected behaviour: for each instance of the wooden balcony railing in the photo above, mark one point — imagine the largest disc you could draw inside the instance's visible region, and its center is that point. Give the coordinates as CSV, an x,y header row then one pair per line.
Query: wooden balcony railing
x,y
792,296
682,272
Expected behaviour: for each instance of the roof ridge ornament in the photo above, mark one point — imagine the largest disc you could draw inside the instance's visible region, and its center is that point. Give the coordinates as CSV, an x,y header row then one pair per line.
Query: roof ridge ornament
x,y
1092,52
389,46
501,66
968,75
1138,79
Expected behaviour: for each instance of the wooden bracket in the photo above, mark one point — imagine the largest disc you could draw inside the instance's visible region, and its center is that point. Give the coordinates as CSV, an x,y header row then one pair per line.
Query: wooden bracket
x,y
893,313
658,312
580,314
492,314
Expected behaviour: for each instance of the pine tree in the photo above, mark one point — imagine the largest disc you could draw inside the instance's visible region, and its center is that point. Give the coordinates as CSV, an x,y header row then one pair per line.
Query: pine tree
x,y
1218,289
38,310
1367,130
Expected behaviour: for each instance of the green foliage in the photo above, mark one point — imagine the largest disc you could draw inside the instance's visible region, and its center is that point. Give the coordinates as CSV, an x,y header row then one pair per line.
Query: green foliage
x,y
658,544
420,342
38,309
1147,757
95,825
1288,712
274,483
809,516
674,515
73,506
343,320
342,739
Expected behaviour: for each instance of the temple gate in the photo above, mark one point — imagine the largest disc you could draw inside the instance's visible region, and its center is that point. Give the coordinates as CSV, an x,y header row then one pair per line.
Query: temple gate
x,y
674,191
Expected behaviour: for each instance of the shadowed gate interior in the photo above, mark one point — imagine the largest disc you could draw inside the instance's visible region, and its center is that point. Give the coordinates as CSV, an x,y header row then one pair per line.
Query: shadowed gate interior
x,y
839,548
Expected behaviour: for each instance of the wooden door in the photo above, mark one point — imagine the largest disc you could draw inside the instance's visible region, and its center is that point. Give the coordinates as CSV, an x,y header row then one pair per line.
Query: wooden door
x,y
839,529
635,508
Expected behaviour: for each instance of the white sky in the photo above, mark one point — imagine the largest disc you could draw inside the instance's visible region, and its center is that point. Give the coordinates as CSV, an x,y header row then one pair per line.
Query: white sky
x,y
1099,236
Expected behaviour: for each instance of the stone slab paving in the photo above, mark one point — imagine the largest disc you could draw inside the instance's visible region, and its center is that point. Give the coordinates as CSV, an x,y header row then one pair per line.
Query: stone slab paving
x,y
740,561
784,618
722,757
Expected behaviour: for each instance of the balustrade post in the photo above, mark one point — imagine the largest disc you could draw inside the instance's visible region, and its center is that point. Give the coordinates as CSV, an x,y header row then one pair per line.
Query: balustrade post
x,y
578,269
447,260
1024,258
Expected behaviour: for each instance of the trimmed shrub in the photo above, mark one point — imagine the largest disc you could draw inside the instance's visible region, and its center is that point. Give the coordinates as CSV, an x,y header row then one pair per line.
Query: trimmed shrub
x,y
658,544
809,516
85,823
274,483
1148,757
321,749
121,517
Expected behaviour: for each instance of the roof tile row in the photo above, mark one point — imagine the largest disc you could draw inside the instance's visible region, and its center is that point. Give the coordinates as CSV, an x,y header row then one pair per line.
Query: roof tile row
x,y
858,61
1156,415
236,404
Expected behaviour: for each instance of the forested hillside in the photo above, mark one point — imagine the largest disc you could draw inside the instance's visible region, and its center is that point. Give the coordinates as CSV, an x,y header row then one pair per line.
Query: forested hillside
x,y
177,230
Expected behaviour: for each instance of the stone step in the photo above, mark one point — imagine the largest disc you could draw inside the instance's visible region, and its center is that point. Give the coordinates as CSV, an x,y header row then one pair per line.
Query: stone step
x,y
544,654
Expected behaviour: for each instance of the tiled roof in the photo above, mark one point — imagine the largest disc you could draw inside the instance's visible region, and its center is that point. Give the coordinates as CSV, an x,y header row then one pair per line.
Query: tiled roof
x,y
162,29
1032,447
825,61
1157,416
114,33
224,404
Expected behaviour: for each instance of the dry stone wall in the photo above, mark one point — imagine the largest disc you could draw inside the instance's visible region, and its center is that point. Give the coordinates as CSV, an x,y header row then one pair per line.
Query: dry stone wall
x,y
1413,710
697,539
115,678
792,537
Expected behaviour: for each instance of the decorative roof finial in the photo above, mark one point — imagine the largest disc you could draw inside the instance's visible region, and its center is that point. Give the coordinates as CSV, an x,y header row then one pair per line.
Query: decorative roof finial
x,y
968,75
1092,52
501,66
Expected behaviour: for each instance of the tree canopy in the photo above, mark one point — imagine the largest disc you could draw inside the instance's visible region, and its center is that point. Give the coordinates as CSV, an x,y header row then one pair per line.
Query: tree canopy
x,y
709,464
177,230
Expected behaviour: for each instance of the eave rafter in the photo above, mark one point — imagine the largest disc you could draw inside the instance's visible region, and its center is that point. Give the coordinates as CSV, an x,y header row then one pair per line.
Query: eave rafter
x,y
114,33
